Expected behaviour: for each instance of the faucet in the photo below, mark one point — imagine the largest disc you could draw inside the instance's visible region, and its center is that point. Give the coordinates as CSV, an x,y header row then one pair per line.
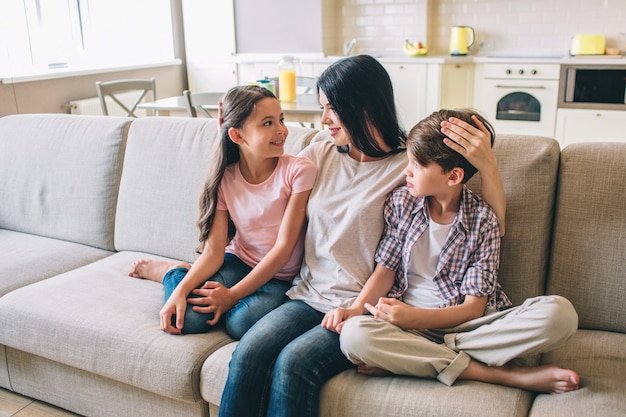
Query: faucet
x,y
349,46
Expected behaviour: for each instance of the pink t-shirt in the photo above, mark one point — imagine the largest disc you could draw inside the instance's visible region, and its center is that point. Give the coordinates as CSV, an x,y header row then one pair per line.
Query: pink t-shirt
x,y
257,209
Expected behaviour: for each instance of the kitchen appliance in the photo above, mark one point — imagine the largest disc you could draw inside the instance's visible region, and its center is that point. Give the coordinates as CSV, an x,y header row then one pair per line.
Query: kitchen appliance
x,y
588,44
519,98
601,87
461,38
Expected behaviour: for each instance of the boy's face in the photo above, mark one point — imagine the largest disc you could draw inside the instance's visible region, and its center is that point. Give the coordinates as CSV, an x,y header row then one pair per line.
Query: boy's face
x,y
425,181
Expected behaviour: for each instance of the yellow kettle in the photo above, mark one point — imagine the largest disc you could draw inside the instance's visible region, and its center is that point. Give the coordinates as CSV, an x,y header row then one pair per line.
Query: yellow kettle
x,y
461,38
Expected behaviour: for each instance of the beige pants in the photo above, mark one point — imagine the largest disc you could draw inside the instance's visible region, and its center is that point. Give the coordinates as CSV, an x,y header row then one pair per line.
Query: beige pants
x,y
538,325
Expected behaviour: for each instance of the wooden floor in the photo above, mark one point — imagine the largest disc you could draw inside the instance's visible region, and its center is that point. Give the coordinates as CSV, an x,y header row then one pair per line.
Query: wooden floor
x,y
12,404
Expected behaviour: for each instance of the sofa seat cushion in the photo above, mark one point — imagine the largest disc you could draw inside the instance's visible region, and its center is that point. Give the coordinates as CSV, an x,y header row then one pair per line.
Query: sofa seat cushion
x,y
353,395
26,258
599,358
59,175
97,319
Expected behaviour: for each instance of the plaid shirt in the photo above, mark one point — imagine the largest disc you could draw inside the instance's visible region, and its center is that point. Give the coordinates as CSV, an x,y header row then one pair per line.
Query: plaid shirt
x,y
469,261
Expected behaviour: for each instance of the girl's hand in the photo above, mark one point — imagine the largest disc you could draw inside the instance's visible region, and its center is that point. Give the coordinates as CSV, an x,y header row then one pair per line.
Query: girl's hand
x,y
214,298
474,144
175,306
335,318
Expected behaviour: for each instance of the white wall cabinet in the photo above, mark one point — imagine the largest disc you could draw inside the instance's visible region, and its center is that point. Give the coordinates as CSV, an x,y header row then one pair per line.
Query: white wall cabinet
x,y
579,125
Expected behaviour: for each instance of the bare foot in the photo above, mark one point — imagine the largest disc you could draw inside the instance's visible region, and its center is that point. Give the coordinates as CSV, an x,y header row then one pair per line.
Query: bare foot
x,y
154,269
372,370
546,378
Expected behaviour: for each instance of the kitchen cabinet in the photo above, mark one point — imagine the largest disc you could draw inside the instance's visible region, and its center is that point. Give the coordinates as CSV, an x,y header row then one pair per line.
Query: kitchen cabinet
x,y
409,88
456,86
210,44
421,89
581,125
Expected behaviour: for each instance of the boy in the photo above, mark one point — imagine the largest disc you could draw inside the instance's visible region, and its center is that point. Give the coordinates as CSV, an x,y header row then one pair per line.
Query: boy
x,y
441,242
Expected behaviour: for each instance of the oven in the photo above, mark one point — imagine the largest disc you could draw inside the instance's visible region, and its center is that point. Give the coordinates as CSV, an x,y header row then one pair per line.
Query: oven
x,y
520,98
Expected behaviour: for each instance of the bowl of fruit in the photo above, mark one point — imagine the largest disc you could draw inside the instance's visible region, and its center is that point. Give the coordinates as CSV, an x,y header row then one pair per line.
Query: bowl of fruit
x,y
414,48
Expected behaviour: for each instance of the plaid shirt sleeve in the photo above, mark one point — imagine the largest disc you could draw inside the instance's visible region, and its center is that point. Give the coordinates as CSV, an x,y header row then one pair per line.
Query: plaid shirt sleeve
x,y
389,251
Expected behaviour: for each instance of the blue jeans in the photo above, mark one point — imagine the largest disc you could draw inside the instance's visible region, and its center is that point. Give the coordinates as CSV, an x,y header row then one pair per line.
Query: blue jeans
x,y
281,363
245,313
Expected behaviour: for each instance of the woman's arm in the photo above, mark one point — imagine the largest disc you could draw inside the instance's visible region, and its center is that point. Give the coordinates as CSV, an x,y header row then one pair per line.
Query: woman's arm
x,y
221,299
207,264
475,145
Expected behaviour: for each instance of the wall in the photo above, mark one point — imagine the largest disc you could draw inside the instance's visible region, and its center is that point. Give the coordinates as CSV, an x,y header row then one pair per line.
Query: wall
x,y
501,25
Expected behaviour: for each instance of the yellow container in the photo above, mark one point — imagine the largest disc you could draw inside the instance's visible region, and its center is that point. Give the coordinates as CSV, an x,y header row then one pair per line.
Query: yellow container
x,y
287,85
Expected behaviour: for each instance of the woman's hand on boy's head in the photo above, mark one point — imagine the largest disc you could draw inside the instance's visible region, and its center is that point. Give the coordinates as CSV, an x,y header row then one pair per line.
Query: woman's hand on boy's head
x,y
474,143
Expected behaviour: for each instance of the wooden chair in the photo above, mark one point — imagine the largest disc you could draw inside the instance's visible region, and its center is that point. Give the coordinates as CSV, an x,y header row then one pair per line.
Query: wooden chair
x,y
196,101
115,88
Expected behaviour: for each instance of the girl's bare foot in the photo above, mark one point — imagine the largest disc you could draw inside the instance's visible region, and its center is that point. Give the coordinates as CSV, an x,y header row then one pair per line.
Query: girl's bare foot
x,y
546,378
154,269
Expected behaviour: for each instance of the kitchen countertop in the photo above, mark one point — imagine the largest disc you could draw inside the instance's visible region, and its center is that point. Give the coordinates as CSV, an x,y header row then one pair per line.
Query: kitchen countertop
x,y
447,59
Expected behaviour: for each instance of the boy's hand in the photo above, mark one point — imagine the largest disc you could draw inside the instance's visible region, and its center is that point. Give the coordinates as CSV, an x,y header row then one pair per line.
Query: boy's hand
x,y
394,311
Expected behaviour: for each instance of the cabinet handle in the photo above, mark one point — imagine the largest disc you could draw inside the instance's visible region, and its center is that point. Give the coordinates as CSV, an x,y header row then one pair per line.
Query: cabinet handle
x,y
529,87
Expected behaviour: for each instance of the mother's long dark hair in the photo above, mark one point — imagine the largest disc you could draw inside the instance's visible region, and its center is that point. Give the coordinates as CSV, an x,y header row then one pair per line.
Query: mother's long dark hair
x,y
359,90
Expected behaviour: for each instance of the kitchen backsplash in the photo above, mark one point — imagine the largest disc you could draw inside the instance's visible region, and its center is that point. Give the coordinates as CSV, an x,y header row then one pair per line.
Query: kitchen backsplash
x,y
533,26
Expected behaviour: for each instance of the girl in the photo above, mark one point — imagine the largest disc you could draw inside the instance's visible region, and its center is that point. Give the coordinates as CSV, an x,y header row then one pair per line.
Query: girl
x,y
263,193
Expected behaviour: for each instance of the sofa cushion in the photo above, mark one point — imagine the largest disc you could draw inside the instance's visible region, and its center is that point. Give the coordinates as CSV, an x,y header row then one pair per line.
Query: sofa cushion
x,y
26,258
350,394
600,359
59,175
589,240
166,162
97,319
529,168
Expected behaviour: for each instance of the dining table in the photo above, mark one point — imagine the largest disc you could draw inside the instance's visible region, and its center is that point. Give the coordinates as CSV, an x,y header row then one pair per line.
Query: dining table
x,y
305,110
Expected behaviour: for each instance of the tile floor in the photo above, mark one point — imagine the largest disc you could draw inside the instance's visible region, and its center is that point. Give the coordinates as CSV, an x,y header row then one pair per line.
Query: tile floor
x,y
14,405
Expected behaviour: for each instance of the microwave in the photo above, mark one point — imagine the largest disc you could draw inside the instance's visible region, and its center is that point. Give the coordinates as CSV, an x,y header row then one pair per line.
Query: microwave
x,y
593,87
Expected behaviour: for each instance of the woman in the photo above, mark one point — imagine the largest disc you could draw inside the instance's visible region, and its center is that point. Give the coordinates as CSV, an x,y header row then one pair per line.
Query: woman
x,y
280,365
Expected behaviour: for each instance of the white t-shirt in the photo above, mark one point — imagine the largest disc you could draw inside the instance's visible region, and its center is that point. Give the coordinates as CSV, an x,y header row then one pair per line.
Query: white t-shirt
x,y
257,209
422,291
345,223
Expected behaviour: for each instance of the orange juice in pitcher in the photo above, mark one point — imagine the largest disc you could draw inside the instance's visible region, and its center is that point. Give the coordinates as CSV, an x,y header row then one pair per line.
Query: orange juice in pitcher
x,y
287,79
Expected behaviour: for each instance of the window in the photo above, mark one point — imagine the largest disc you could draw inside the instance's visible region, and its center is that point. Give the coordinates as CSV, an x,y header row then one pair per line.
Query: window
x,y
42,36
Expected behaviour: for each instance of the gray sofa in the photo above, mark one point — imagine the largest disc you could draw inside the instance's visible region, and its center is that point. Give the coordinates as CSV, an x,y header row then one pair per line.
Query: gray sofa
x,y
81,197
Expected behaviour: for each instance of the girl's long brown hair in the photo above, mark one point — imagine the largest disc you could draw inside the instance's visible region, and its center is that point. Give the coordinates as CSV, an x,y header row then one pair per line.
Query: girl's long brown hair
x,y
237,105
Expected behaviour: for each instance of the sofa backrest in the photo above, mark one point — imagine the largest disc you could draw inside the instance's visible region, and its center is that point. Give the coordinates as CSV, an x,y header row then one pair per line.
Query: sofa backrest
x,y
59,175
165,166
589,244
529,168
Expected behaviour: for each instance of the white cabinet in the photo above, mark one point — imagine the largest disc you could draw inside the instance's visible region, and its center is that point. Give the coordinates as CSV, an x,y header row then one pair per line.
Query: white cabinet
x,y
209,28
421,89
456,86
579,125
409,88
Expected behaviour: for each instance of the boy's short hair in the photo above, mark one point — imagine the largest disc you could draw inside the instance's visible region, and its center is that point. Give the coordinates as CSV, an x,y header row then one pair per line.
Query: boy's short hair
x,y
425,141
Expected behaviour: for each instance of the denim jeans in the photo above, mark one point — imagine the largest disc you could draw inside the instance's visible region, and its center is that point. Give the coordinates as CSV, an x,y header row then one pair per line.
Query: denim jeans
x,y
281,363
245,313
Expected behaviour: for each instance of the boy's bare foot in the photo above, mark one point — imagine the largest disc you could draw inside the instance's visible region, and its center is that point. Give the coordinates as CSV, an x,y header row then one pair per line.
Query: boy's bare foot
x,y
154,269
546,378
372,370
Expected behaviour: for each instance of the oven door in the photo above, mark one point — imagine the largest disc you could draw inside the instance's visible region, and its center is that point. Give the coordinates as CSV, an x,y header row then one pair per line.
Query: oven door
x,y
521,106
